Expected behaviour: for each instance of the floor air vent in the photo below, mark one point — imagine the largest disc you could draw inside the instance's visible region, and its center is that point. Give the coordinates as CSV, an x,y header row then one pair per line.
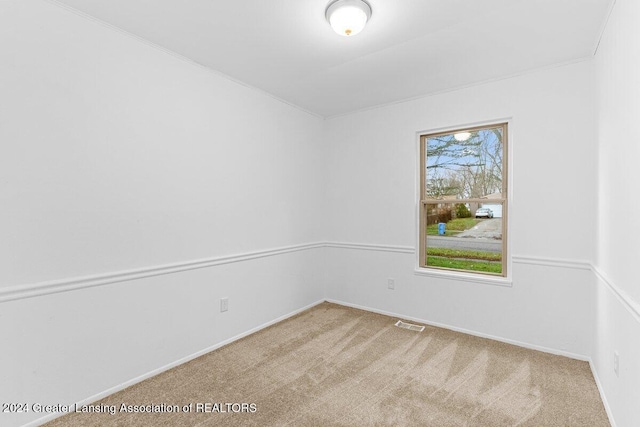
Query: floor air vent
x,y
409,326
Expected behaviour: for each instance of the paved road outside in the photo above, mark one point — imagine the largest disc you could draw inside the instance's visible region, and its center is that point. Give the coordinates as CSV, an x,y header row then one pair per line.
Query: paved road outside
x,y
485,229
474,244
485,236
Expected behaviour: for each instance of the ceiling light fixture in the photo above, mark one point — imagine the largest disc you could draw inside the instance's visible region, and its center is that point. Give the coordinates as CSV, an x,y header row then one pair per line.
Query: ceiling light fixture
x,y
462,136
348,17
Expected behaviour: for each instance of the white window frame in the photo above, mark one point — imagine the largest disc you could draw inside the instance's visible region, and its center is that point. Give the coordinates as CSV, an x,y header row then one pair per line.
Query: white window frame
x,y
460,275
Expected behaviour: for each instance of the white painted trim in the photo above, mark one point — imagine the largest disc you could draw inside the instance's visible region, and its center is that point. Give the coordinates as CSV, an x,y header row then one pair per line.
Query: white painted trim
x,y
603,28
467,331
517,259
485,279
178,362
464,86
17,292
605,402
179,56
65,285
371,247
632,306
553,262
458,126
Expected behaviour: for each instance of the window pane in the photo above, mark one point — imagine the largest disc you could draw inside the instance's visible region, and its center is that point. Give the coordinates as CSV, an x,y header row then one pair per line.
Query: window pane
x,y
464,236
465,164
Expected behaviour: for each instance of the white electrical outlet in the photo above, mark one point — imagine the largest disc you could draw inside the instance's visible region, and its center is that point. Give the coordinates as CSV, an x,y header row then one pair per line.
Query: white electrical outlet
x,y
391,283
616,363
224,304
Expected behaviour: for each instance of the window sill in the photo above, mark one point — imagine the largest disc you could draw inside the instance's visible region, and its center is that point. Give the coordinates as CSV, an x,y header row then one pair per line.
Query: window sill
x,y
466,277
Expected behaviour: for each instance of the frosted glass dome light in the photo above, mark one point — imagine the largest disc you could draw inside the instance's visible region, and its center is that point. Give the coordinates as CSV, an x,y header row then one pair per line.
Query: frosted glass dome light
x,y
348,17
462,136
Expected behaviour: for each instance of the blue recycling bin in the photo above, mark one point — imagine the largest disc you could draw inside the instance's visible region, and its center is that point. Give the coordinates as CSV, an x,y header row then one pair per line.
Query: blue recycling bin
x,y
441,228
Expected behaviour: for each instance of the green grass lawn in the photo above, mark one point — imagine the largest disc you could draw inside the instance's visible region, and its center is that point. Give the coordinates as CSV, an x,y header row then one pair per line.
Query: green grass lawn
x,y
470,260
466,254
461,259
461,264
454,226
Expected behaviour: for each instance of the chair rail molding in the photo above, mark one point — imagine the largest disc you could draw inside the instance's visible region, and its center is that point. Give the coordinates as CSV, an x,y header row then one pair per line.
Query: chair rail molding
x,y
65,285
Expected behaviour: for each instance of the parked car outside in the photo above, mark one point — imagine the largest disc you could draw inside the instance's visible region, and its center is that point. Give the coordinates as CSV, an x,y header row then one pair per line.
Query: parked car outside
x,y
484,213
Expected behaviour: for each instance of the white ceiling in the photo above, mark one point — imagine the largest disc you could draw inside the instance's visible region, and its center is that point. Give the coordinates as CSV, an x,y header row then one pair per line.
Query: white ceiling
x,y
409,48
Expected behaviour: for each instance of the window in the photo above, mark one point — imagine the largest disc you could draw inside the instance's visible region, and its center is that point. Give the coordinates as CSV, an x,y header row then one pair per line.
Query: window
x,y
463,200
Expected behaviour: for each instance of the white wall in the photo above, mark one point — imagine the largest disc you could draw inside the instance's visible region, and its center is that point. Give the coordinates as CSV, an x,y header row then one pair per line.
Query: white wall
x,y
116,156
108,143
371,192
618,309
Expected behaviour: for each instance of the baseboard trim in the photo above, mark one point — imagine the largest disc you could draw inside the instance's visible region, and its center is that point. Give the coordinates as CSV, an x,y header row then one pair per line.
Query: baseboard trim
x,y
197,354
466,331
76,283
603,396
632,307
178,362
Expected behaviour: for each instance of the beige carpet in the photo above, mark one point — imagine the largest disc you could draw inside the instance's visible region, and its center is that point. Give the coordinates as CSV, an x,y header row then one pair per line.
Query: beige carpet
x,y
337,366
